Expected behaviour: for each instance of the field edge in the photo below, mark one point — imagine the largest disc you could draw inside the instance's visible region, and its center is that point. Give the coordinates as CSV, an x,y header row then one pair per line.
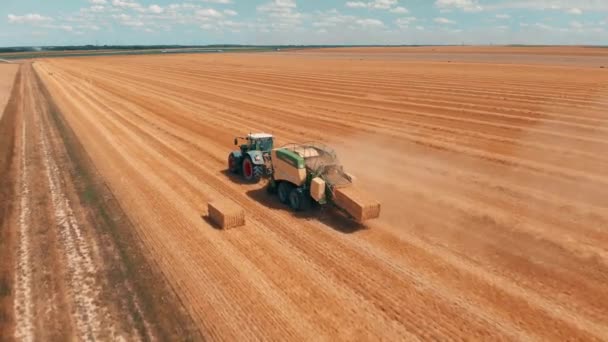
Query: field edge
x,y
155,297
8,173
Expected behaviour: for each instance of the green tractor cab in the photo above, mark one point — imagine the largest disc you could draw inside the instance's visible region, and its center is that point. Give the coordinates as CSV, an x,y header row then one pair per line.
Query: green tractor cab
x,y
252,160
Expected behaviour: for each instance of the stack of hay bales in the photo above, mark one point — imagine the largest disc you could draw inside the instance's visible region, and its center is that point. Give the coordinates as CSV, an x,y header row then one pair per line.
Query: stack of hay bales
x,y
360,205
226,214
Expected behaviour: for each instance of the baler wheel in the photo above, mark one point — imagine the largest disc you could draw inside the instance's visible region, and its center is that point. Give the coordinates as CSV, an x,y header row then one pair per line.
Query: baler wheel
x,y
298,200
283,191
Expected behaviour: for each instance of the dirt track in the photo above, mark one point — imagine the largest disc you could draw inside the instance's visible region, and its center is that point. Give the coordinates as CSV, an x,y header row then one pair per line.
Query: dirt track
x,y
493,180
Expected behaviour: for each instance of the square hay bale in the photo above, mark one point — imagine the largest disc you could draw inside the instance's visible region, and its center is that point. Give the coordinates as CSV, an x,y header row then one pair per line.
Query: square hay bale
x,y
226,214
317,189
360,205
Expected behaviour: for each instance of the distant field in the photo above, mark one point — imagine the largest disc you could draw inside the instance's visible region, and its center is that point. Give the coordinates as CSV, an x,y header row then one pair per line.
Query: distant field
x,y
84,53
541,55
489,50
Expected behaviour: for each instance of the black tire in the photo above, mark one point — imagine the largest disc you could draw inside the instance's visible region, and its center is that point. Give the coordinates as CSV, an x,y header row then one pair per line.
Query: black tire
x,y
233,164
283,191
299,200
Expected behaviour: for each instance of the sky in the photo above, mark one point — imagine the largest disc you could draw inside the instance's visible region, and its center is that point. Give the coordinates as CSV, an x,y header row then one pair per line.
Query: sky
x,y
302,22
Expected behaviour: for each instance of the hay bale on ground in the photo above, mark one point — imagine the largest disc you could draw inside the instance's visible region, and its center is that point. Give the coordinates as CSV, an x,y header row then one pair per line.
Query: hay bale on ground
x,y
226,214
360,205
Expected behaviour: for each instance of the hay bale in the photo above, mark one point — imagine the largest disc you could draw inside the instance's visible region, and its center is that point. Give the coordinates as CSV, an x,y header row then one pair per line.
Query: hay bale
x,y
226,214
317,189
360,205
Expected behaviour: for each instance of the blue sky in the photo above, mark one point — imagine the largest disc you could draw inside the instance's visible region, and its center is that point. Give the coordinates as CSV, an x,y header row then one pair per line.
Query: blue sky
x,y
66,22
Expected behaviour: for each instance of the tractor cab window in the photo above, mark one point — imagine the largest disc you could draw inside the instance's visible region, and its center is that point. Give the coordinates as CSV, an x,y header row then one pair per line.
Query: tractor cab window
x,y
263,144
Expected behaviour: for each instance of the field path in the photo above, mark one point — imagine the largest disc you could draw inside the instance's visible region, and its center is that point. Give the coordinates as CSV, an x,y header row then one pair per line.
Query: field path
x,y
493,180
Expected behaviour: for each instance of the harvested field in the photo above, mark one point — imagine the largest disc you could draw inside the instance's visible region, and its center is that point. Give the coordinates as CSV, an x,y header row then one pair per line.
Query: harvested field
x,y
493,180
544,55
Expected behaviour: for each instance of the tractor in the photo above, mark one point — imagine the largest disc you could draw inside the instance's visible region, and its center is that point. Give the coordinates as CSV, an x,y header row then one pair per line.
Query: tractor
x,y
252,160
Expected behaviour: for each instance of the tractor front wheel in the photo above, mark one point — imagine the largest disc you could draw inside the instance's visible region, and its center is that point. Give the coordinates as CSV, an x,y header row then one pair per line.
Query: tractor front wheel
x,y
233,165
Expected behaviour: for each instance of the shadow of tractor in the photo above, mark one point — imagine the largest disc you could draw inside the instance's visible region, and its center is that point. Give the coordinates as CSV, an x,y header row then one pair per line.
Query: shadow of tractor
x,y
327,215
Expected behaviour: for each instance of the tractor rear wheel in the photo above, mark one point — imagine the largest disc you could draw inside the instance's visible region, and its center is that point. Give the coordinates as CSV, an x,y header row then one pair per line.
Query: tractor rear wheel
x,y
233,165
249,170
258,172
299,200
283,191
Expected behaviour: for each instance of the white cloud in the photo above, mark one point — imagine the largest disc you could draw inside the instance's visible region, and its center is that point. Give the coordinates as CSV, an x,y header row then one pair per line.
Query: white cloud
x,y
575,11
576,24
208,13
127,20
503,16
332,20
126,4
97,8
91,27
32,18
356,4
280,15
444,21
232,24
464,5
121,17
405,22
218,1
543,5
543,26
230,12
376,4
383,4
277,5
400,10
368,22
155,9
63,27
134,23
346,25
98,2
